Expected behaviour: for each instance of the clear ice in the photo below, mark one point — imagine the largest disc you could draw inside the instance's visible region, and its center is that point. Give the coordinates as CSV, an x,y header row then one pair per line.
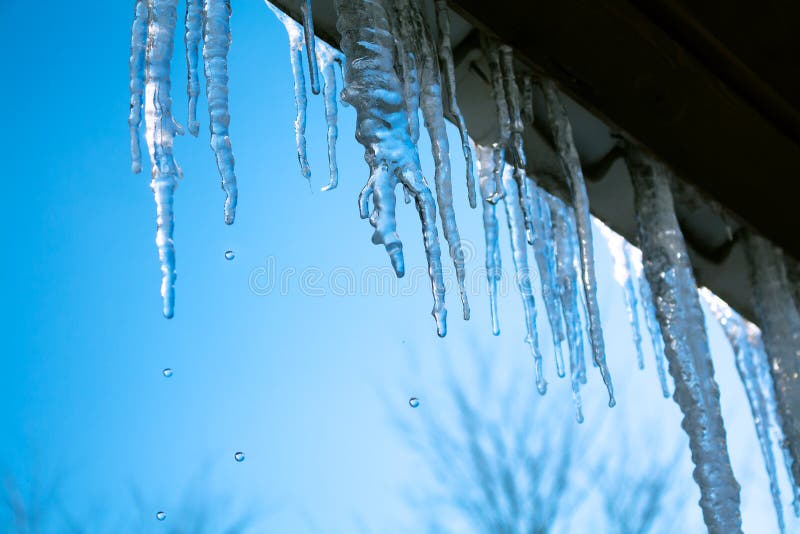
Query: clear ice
x,y
570,162
310,42
779,320
667,268
490,229
752,366
374,89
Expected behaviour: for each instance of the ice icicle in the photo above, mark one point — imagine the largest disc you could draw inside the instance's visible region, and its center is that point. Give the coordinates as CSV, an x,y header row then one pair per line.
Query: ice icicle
x,y
667,268
430,102
623,274
527,99
780,327
546,261
562,130
516,228
563,231
308,30
216,44
373,88
749,362
653,327
137,79
300,100
452,111
191,38
160,131
327,57
503,120
490,229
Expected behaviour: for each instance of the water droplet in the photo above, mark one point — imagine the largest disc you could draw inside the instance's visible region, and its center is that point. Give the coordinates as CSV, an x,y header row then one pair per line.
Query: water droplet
x,y
413,402
161,516
239,456
229,255
167,372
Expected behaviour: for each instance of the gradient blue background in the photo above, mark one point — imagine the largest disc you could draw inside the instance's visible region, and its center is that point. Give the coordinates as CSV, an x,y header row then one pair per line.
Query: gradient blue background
x,y
308,387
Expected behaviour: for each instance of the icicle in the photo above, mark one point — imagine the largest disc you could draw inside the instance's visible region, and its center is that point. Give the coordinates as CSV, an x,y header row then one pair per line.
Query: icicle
x,y
308,30
563,231
503,120
160,131
623,274
780,325
519,251
216,44
749,362
416,39
562,130
490,229
452,111
327,57
543,247
300,101
137,65
527,99
375,91
652,326
191,38
667,267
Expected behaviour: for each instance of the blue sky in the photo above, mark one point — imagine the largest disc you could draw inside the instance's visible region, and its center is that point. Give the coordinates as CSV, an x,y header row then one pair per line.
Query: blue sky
x,y
307,386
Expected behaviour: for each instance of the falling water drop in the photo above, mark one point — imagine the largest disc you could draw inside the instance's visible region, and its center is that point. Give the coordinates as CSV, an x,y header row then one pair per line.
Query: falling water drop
x,y
229,255
167,372
239,456
161,515
413,402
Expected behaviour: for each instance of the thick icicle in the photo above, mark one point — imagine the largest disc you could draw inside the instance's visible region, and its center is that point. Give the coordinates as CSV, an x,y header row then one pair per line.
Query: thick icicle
x,y
191,38
749,363
452,111
417,41
780,326
300,100
137,79
562,130
519,249
308,31
375,91
160,131
623,274
216,44
667,267
490,229
653,328
327,57
543,248
563,231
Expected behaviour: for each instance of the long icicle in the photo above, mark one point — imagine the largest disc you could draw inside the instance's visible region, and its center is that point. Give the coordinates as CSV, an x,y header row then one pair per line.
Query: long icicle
x,y
373,88
503,120
544,251
193,33
516,228
563,231
160,131
667,267
557,115
308,32
780,326
417,38
490,229
749,361
623,274
653,328
327,58
216,44
300,100
137,79
452,110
